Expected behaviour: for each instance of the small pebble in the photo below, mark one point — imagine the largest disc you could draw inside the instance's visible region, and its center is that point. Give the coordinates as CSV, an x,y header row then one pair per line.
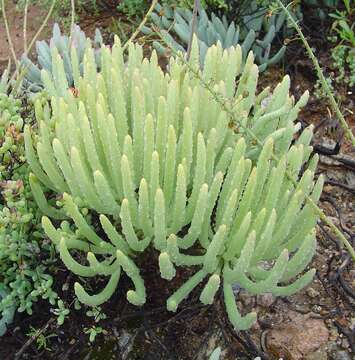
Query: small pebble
x,y
312,293
316,308
265,300
345,343
341,355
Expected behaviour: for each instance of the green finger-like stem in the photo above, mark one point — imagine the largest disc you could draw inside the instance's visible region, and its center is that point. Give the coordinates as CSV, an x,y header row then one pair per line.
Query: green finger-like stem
x,y
137,296
103,296
239,322
184,291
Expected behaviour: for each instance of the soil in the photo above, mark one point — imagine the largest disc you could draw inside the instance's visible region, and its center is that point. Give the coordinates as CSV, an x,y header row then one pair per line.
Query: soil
x,y
318,323
106,20
15,21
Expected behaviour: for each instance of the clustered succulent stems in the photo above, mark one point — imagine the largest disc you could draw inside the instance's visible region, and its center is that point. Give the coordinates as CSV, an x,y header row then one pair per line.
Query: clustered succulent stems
x,y
164,167
256,33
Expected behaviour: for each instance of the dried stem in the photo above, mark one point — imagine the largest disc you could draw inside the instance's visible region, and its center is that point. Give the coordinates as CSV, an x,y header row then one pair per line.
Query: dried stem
x,y
321,77
44,23
21,74
193,27
12,49
72,17
25,28
138,30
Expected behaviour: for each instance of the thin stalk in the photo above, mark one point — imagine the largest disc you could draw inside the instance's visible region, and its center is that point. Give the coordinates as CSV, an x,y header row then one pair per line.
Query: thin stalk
x,y
9,39
25,28
321,77
44,23
72,17
138,30
193,27
21,74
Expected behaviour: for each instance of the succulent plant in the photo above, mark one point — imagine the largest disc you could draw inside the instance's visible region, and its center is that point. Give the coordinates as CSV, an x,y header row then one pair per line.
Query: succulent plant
x,y
23,272
259,14
322,7
7,314
11,141
216,354
62,45
164,167
4,80
210,31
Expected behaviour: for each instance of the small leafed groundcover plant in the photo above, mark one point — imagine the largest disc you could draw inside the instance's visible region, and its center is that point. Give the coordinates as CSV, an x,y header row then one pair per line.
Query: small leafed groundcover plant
x,y
24,249
145,159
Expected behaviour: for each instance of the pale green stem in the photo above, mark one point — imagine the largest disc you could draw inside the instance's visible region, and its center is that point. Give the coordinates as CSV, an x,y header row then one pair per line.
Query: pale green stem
x,y
227,108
